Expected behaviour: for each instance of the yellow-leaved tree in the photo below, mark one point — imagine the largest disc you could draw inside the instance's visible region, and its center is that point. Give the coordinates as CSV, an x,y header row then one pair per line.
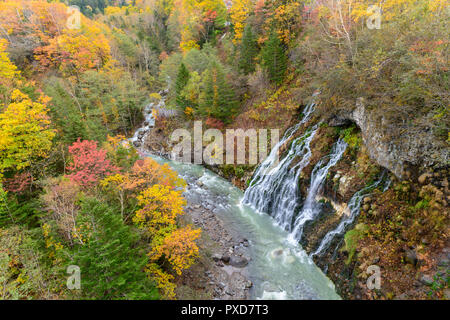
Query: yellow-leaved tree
x,y
8,72
25,132
161,203
239,13
198,20
7,69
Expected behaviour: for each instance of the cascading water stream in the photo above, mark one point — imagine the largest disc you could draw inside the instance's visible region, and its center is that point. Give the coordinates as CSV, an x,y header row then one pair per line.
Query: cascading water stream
x,y
269,166
310,207
287,202
354,206
149,123
277,191
274,187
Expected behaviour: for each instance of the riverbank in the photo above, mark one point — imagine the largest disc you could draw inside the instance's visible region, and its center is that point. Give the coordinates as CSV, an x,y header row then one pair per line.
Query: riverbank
x,y
222,269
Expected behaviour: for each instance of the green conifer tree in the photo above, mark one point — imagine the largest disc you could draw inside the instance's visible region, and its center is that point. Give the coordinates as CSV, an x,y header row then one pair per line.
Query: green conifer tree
x,y
218,99
111,263
249,50
274,58
180,83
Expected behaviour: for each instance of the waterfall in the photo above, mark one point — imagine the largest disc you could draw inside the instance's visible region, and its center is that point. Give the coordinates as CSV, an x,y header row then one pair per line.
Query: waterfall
x,y
274,187
150,112
277,192
268,166
310,207
287,197
354,206
149,122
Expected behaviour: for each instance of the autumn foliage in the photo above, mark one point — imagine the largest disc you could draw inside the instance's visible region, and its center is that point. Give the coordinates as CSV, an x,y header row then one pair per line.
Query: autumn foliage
x,y
89,163
179,248
161,205
7,69
25,132
143,174
73,190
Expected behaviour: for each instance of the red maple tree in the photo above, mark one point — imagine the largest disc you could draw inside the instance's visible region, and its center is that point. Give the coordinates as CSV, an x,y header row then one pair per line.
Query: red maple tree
x,y
89,163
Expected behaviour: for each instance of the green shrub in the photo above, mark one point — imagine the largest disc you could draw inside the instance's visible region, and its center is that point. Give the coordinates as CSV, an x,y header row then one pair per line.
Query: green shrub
x,y
351,239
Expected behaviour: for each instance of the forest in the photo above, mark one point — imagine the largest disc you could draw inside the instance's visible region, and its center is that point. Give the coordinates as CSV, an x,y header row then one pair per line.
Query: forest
x,y
73,87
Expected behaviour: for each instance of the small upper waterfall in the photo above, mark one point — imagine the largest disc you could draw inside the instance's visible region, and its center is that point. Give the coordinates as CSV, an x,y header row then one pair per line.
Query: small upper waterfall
x,y
310,207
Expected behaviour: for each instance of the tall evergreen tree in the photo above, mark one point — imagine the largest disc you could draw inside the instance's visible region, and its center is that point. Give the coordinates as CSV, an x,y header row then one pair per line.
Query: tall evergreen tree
x,y
111,264
180,83
274,58
218,99
249,50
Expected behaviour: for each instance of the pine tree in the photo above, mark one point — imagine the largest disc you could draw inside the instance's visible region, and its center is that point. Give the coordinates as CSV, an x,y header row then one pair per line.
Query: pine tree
x,y
180,83
249,50
218,98
112,266
274,58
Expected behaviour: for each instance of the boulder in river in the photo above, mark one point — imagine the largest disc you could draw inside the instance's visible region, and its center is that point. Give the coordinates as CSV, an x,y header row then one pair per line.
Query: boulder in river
x,y
238,262
426,280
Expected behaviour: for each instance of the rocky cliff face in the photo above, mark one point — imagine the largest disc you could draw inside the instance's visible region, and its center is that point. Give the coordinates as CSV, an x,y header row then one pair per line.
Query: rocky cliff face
x,y
395,142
